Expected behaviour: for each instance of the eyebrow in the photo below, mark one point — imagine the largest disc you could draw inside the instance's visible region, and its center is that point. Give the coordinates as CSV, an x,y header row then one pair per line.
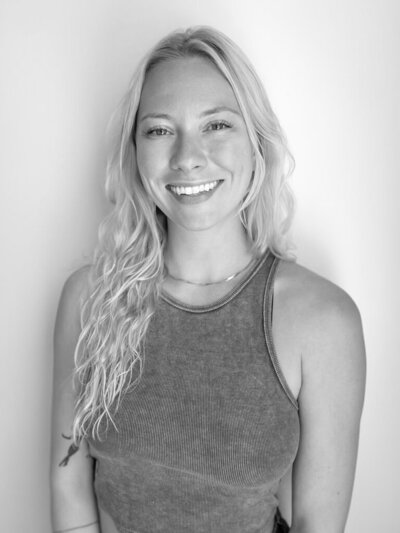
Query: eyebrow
x,y
218,109
206,113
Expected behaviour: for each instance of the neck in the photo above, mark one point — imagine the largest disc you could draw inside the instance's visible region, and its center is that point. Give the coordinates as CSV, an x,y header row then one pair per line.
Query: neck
x,y
209,255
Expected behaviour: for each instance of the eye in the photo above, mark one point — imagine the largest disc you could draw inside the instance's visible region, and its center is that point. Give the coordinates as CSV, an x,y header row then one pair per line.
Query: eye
x,y
219,125
157,131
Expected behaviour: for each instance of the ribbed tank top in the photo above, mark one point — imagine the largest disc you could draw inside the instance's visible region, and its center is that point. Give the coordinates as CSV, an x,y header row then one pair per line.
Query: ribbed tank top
x,y
205,437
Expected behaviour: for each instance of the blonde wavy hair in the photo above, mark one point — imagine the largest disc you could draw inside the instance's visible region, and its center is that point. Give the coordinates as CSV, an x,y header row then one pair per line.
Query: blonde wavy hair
x,y
128,265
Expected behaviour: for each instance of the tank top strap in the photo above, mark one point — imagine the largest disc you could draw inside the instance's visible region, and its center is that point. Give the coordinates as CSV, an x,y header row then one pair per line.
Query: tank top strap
x,y
268,300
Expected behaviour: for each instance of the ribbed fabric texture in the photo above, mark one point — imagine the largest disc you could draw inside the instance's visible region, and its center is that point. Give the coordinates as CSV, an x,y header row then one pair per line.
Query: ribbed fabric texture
x,y
211,428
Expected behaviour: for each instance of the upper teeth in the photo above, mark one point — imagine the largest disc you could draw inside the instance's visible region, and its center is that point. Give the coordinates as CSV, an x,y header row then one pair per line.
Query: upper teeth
x,y
194,190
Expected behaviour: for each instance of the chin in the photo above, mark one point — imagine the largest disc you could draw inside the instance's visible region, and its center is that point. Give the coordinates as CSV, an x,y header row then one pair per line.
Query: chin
x,y
195,224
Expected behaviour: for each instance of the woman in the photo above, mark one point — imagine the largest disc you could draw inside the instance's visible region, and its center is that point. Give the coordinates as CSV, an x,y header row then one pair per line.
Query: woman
x,y
207,361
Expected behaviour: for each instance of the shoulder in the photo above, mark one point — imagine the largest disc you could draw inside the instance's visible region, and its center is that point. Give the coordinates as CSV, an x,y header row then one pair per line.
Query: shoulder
x,y
67,329
75,291
313,298
76,285
324,318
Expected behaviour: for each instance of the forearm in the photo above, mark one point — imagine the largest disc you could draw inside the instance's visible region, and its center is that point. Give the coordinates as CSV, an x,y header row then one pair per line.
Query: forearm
x,y
93,527
304,528
74,510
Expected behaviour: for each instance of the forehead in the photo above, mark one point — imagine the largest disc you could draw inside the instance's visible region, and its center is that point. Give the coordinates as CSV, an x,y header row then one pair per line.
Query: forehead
x,y
178,83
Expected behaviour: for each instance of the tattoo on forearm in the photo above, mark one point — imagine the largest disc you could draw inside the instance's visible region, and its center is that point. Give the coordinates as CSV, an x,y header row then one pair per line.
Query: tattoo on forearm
x,y
71,450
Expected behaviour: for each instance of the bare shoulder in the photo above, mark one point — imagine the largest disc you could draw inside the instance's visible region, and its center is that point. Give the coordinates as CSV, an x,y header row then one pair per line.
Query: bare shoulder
x,y
74,293
76,286
68,320
314,299
324,319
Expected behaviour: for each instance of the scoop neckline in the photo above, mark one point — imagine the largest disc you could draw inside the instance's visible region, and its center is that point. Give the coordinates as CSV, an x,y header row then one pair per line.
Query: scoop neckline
x,y
230,295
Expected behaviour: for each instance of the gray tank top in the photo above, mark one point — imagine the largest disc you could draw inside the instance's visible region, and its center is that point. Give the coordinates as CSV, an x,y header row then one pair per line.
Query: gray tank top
x,y
205,437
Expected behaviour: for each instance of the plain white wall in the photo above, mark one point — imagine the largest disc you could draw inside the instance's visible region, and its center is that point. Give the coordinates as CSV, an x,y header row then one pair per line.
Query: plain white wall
x,y
332,72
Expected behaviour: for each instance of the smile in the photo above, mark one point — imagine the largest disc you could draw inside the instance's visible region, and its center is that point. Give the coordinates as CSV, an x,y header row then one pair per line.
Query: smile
x,y
194,189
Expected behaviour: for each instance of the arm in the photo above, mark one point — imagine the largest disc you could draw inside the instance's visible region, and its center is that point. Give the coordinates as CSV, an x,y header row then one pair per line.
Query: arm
x,y
330,402
73,501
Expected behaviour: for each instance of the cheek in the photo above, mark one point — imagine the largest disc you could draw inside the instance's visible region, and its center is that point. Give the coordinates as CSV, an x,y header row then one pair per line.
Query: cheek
x,y
151,160
146,170
235,155
223,155
143,162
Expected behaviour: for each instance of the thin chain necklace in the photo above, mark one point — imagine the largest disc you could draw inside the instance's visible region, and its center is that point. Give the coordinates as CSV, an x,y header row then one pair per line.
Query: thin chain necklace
x,y
229,278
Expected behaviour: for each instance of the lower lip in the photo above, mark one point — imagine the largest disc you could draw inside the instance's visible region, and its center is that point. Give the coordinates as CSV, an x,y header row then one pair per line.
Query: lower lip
x,y
195,198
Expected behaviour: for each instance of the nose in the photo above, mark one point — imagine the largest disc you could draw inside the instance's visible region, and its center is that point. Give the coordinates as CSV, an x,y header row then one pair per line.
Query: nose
x,y
188,154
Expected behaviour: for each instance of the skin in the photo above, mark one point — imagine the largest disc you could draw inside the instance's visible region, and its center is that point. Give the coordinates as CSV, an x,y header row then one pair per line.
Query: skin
x,y
316,326
198,135
73,499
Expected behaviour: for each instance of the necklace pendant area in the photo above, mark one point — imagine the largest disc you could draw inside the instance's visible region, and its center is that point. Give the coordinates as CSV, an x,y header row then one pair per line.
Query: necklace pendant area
x,y
206,284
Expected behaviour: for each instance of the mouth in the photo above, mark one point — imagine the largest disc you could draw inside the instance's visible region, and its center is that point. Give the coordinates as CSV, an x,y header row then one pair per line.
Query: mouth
x,y
194,190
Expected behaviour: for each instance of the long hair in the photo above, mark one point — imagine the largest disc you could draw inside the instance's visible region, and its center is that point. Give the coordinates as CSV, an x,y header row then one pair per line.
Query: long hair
x,y
128,265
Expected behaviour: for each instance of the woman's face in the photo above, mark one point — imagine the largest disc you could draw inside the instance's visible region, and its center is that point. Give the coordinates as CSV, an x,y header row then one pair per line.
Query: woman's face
x,y
193,151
